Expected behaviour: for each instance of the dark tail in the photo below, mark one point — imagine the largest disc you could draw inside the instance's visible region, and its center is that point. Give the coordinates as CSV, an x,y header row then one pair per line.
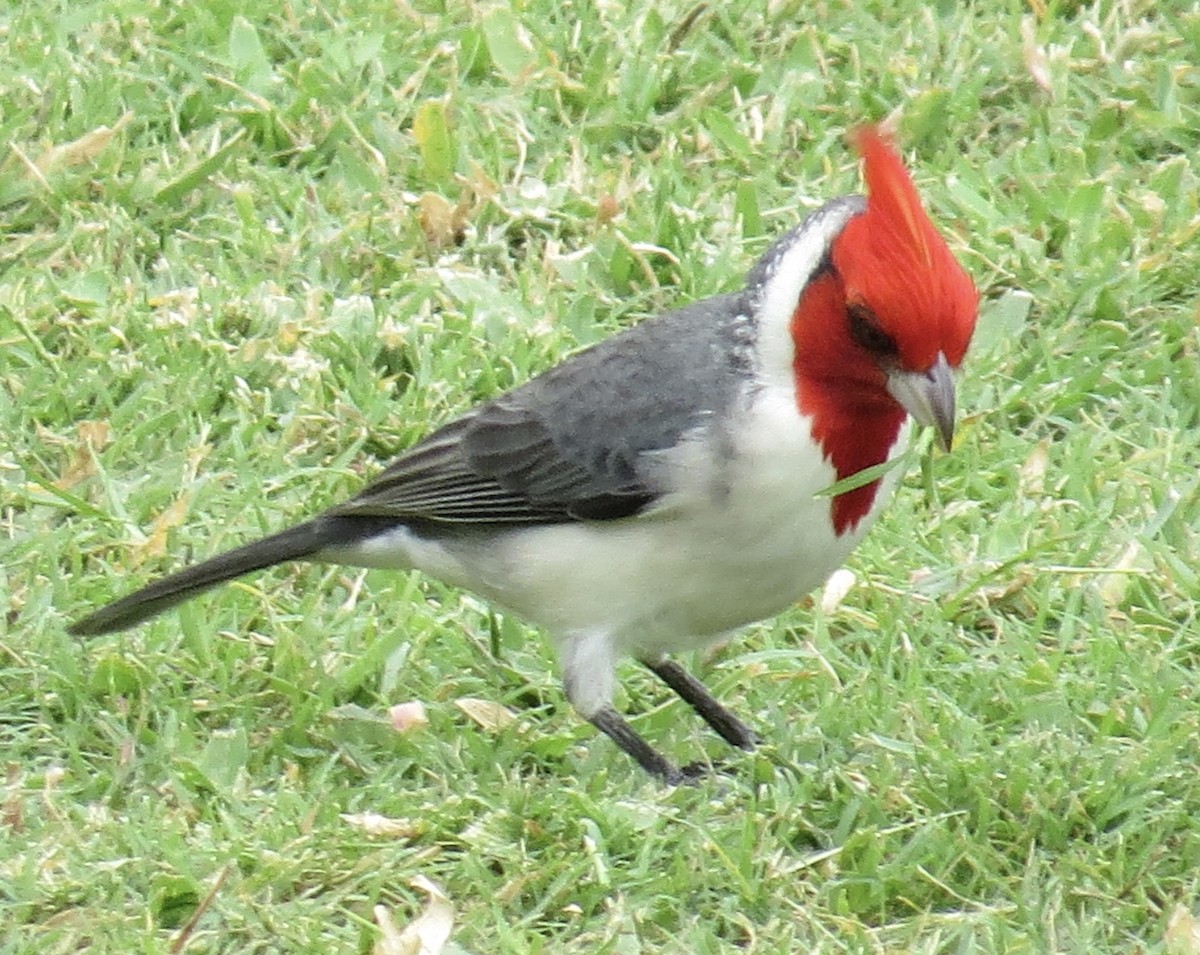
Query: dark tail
x,y
303,540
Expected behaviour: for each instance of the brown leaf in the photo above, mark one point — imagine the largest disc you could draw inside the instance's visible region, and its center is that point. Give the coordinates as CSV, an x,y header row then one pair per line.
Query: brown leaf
x,y
408,716
438,220
1036,62
156,544
607,209
84,149
427,934
489,716
478,187
374,824
1182,936
1033,472
1003,588
95,434
92,436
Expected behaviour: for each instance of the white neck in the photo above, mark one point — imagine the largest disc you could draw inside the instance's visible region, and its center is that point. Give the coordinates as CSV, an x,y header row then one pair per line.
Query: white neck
x,y
796,258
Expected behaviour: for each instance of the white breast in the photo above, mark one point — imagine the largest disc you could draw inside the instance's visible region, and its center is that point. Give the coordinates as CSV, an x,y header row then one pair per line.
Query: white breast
x,y
733,545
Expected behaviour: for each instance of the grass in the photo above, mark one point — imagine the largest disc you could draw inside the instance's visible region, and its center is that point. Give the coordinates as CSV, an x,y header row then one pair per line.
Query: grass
x,y
230,287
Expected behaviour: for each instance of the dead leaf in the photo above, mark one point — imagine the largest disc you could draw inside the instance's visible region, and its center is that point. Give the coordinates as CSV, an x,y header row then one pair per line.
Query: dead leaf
x,y
437,218
12,815
375,824
427,934
50,782
84,149
1113,585
479,186
408,716
95,434
1032,475
836,588
607,209
81,468
1002,589
390,941
156,544
444,224
489,716
1182,936
92,436
1036,62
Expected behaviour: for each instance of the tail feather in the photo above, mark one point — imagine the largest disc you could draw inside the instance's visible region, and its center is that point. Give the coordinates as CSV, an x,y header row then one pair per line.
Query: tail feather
x,y
303,540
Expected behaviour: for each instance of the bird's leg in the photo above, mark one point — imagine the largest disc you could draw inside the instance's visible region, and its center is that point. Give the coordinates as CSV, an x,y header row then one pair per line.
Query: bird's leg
x,y
587,663
613,725
693,692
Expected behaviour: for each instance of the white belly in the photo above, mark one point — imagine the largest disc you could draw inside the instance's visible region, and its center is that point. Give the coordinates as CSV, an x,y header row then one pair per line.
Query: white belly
x,y
712,557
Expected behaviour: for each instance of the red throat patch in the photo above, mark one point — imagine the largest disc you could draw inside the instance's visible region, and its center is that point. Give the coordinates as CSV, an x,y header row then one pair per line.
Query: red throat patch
x,y
853,419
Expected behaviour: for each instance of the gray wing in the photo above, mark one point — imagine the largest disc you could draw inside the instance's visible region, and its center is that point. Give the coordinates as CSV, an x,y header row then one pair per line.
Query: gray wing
x,y
575,442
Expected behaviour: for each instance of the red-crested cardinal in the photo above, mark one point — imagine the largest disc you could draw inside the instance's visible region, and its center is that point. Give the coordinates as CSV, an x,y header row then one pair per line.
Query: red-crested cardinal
x,y
660,489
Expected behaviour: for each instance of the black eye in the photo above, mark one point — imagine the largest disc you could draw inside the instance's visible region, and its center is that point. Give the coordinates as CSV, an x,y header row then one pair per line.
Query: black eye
x,y
865,332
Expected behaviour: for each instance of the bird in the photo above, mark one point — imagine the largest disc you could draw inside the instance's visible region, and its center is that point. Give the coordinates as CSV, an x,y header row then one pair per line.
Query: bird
x,y
661,489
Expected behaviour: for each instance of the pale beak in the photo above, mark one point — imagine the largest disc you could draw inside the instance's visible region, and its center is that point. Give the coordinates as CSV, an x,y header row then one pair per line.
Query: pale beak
x,y
928,396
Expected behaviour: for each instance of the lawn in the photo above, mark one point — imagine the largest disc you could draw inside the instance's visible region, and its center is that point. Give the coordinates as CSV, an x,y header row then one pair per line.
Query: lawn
x,y
249,254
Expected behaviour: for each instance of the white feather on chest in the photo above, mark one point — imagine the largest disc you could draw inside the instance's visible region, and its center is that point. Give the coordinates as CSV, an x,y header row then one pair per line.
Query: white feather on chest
x,y
738,541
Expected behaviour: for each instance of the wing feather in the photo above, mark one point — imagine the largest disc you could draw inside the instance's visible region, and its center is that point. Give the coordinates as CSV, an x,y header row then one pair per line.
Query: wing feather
x,y
578,442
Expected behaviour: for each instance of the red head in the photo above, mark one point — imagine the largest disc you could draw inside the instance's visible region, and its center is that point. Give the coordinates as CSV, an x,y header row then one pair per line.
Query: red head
x,y
877,333
894,263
